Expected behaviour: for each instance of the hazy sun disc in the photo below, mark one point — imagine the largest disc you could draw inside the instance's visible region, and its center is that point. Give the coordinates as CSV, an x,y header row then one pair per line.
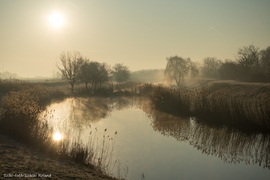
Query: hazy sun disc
x,y
57,136
56,20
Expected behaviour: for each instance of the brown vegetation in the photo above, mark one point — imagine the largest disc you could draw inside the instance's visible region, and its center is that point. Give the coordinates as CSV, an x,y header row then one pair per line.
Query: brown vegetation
x,y
18,158
237,105
19,119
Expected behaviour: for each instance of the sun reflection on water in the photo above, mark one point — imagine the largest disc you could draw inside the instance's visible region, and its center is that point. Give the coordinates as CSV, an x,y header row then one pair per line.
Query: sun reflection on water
x,y
57,136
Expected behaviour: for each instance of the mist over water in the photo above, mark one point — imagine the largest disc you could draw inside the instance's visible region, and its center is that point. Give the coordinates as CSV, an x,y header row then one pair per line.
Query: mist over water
x,y
156,145
84,64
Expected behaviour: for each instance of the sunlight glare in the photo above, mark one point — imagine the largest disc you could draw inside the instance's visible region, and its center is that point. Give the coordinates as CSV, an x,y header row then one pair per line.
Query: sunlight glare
x,y
56,20
57,136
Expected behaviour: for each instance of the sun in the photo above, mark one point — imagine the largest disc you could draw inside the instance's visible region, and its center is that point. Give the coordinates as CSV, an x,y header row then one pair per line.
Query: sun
x,y
56,20
57,136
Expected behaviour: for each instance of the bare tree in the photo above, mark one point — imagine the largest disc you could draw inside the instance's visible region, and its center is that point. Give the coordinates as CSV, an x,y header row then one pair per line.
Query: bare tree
x,y
265,62
94,73
177,69
120,73
98,74
210,67
194,70
71,63
85,73
103,73
248,57
229,70
8,75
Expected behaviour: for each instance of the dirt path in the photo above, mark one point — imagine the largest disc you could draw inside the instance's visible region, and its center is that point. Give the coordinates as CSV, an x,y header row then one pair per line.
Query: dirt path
x,y
20,161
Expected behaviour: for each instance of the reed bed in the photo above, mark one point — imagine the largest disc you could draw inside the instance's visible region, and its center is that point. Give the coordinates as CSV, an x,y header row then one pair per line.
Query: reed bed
x,y
232,105
175,101
20,108
20,118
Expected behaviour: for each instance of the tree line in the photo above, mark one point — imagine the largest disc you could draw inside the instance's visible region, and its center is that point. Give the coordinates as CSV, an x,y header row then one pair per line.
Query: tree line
x,y
78,69
251,65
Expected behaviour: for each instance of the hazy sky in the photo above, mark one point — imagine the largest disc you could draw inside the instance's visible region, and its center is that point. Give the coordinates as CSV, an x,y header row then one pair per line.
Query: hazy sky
x,y
138,33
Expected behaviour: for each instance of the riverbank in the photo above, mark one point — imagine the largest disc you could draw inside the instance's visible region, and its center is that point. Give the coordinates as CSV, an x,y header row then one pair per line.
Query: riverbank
x,y
20,160
20,106
234,104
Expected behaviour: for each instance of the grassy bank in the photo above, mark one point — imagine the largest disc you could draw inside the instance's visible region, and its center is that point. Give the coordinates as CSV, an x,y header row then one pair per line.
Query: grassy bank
x,y
20,107
19,158
238,105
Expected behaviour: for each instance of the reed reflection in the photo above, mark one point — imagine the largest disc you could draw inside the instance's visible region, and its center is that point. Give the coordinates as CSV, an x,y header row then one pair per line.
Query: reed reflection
x,y
229,145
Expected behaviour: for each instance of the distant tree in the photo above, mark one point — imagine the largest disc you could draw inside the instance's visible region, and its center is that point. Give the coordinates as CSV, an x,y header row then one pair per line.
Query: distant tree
x,y
8,75
265,62
120,73
229,70
71,63
177,69
210,67
248,57
93,70
94,73
194,69
85,73
103,73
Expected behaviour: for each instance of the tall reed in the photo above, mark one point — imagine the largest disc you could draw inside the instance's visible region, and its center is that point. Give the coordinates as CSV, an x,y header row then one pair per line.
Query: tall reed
x,y
228,108
175,101
216,106
19,118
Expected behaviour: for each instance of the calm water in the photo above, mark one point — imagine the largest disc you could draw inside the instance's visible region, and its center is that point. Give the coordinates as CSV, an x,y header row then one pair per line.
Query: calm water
x,y
155,145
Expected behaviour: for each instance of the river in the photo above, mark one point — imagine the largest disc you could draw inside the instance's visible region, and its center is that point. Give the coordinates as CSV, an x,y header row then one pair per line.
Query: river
x,y
141,143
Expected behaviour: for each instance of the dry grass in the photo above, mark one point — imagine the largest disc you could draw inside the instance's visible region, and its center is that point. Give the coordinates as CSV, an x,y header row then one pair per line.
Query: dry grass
x,y
18,158
175,101
244,105
237,105
19,118
19,109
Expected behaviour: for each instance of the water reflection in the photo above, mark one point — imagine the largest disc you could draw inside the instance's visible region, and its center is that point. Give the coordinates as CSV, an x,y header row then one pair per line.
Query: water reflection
x,y
141,146
57,136
76,112
229,145
73,116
